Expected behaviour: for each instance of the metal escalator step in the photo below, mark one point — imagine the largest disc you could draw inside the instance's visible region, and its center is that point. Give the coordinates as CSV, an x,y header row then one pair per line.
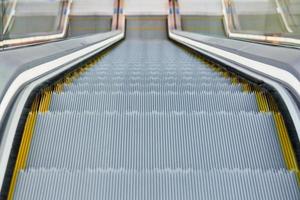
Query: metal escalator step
x,y
147,102
149,60
152,88
147,78
174,60
150,75
157,184
148,69
155,140
151,81
178,63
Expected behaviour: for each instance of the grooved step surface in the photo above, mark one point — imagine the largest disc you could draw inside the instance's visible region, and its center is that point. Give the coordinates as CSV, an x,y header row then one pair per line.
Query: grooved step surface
x,y
164,185
156,67
146,78
159,88
146,81
152,74
155,140
147,102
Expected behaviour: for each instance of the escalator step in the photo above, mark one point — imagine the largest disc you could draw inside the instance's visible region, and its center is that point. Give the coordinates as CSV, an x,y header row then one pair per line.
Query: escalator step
x,y
157,184
155,140
146,102
155,67
152,88
158,73
147,81
146,76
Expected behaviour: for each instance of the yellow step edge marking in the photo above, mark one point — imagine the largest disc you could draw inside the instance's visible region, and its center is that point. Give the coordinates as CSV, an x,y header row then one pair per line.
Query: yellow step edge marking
x,y
49,97
266,103
272,104
24,147
45,100
246,87
225,74
259,103
286,145
40,104
262,101
234,80
59,87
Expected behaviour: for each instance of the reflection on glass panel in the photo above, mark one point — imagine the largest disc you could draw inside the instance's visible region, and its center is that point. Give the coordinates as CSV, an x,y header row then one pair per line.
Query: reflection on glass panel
x,y
90,17
208,25
1,18
86,25
274,21
202,16
8,13
28,18
290,12
32,21
258,16
278,18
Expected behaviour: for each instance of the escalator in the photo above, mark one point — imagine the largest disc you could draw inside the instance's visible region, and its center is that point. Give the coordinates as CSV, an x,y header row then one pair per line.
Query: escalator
x,y
151,120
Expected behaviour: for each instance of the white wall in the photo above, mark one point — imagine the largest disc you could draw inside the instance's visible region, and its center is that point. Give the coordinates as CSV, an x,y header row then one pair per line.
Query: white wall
x,y
146,7
92,7
200,7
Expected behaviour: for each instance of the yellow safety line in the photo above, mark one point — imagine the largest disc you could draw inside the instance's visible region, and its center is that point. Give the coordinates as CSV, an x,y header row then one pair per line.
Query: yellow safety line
x,y
234,80
45,100
24,146
272,104
247,87
262,101
286,145
40,104
266,103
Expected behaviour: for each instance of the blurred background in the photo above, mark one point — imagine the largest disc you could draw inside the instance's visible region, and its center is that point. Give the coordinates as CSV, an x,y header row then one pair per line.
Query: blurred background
x,y
73,18
266,17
